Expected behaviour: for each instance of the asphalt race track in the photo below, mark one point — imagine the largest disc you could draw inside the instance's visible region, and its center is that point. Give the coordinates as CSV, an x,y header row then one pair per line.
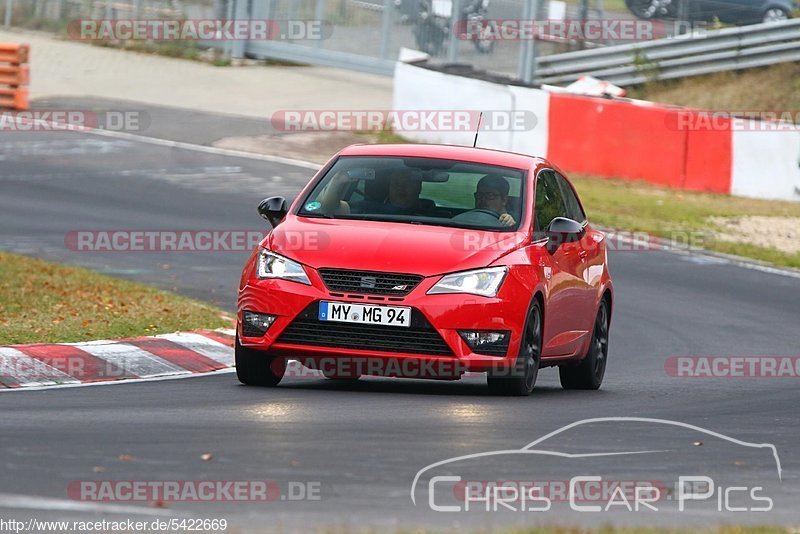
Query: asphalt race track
x,y
361,445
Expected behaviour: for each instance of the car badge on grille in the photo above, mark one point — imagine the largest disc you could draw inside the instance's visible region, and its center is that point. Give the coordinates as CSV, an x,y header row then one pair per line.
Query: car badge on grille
x,y
368,282
401,287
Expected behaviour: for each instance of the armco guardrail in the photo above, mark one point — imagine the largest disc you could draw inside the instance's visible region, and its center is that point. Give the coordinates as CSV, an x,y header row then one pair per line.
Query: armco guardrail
x,y
14,75
713,51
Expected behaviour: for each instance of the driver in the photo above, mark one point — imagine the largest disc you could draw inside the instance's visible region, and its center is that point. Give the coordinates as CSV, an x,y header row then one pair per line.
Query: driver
x,y
492,194
403,197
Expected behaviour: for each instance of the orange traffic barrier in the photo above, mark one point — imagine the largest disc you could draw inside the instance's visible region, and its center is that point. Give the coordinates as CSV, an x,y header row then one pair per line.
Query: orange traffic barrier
x,y
14,75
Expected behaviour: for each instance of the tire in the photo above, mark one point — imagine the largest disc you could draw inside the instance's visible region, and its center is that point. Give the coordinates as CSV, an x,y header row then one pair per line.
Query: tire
x,y
589,372
258,367
774,14
522,378
643,9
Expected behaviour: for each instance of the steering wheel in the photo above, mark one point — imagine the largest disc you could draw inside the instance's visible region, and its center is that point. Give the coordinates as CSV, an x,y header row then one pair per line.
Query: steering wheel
x,y
482,216
487,211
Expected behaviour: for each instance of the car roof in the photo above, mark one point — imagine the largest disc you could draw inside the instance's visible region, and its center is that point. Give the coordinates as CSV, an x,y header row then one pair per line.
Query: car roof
x,y
459,153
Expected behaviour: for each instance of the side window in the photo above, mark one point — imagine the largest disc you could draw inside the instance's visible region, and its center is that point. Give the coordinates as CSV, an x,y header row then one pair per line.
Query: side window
x,y
574,210
549,201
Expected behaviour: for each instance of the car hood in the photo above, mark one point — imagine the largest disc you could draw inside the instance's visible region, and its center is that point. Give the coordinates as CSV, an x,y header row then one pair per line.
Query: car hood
x,y
394,247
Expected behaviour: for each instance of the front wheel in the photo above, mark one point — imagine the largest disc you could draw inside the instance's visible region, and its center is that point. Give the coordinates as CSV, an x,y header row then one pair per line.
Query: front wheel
x,y
589,373
521,379
257,367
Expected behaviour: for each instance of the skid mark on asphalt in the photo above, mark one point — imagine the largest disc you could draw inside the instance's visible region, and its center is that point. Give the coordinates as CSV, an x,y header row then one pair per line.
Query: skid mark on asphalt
x,y
16,150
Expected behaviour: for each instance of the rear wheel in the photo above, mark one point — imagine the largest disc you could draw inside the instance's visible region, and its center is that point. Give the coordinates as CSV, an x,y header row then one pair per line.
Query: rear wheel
x,y
589,373
775,14
258,367
520,381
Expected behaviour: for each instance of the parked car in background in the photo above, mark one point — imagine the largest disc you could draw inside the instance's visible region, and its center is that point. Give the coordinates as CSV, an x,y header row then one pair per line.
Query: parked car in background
x,y
738,12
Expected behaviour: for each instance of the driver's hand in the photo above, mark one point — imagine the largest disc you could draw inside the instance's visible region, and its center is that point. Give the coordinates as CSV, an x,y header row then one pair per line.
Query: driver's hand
x,y
507,220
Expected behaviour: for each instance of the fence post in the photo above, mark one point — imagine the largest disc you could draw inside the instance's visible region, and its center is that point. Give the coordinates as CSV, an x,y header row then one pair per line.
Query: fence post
x,y
386,27
455,24
527,56
239,13
9,11
319,15
226,45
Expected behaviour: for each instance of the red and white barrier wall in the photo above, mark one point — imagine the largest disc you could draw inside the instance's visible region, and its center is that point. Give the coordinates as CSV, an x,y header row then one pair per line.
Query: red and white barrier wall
x,y
664,145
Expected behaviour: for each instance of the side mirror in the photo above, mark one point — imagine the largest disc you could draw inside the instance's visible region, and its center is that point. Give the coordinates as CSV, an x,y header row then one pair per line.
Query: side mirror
x,y
563,230
273,210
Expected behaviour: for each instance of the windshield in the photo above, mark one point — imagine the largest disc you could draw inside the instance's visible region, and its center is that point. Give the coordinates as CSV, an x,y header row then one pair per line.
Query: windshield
x,y
419,191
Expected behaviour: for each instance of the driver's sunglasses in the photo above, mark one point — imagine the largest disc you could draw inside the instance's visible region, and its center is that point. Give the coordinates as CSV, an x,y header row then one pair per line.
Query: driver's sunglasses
x,y
487,195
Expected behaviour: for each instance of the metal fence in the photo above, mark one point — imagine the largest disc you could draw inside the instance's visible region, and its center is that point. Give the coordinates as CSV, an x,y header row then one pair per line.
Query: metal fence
x,y
367,35
714,51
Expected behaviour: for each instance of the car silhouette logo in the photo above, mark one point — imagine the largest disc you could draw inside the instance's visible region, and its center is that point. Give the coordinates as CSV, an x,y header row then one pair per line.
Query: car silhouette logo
x,y
533,447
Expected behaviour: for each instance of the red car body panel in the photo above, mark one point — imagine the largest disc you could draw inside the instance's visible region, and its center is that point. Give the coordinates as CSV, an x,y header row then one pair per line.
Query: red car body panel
x,y
570,281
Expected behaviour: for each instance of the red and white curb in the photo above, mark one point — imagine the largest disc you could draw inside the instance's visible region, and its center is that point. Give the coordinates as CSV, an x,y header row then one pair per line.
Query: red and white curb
x,y
177,355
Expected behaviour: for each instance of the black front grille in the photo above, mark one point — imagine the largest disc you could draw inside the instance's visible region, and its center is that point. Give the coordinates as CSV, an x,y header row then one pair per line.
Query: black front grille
x,y
370,282
419,338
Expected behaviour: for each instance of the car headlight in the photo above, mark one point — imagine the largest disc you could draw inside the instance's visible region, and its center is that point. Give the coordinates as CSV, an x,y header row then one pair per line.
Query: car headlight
x,y
483,282
271,265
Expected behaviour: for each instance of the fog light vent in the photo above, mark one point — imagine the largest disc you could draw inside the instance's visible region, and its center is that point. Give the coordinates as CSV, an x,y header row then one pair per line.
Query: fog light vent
x,y
488,342
256,324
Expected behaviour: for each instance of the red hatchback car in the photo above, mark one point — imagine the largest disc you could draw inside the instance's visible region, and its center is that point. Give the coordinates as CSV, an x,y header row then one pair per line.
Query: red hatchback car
x,y
428,261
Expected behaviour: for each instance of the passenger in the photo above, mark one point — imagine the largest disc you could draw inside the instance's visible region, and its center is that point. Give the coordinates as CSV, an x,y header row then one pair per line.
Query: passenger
x,y
492,194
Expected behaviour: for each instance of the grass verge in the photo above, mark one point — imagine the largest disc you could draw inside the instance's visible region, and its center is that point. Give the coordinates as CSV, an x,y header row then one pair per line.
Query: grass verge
x,y
731,90
642,207
41,300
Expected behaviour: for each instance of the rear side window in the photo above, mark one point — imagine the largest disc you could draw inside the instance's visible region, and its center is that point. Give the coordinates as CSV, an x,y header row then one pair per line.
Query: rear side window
x,y
549,201
574,210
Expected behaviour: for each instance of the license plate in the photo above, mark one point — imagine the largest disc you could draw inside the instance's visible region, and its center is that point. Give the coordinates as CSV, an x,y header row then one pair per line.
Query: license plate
x,y
348,312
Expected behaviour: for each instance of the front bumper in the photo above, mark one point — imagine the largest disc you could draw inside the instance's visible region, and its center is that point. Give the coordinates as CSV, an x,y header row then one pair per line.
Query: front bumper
x,y
433,336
